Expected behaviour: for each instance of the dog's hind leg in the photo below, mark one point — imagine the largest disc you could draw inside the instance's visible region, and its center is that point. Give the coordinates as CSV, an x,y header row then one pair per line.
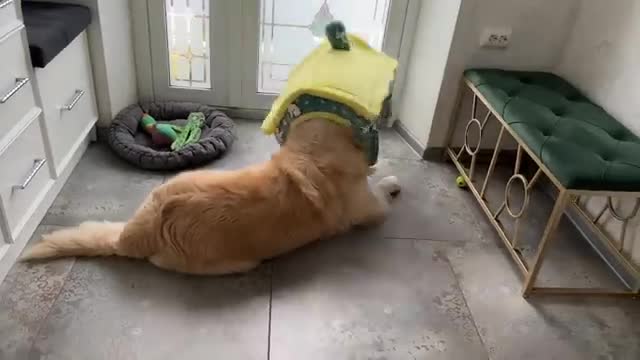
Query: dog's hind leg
x,y
196,267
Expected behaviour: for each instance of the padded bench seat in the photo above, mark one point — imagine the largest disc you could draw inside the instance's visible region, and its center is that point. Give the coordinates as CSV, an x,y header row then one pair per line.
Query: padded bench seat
x,y
578,141
51,27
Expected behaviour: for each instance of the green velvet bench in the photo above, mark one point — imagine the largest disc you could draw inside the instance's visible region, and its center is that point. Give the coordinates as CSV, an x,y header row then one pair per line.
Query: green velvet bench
x,y
575,143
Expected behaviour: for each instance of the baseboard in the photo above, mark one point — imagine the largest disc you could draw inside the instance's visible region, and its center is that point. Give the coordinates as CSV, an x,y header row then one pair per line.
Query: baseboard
x,y
408,137
29,227
247,114
435,154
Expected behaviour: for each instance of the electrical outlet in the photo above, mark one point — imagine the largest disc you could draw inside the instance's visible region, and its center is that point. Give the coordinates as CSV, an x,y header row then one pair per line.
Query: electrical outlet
x,y
497,38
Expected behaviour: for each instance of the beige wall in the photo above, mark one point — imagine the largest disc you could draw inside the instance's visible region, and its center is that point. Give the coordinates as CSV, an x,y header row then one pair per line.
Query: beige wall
x,y
602,58
540,29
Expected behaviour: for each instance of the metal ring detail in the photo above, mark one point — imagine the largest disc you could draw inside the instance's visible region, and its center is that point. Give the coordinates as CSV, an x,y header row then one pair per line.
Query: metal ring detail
x,y
466,137
617,216
507,191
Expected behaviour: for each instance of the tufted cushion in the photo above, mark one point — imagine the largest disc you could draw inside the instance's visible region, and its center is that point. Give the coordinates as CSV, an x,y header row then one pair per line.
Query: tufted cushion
x,y
584,146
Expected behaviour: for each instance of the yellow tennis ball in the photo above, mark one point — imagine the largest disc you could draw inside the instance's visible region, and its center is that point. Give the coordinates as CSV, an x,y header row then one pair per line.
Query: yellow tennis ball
x,y
460,182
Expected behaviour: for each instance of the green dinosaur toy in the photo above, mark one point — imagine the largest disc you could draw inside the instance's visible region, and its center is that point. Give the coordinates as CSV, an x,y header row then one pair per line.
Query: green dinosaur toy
x,y
176,137
161,134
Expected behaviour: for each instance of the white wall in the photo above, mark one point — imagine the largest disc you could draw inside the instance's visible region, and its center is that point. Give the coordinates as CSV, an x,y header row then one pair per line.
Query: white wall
x,y
602,58
539,27
120,87
432,40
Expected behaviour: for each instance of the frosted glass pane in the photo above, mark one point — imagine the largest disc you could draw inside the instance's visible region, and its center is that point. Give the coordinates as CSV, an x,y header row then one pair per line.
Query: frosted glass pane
x,y
188,43
290,29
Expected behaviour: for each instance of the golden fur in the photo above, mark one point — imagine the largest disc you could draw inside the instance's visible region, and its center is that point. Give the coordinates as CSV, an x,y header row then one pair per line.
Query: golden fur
x,y
214,222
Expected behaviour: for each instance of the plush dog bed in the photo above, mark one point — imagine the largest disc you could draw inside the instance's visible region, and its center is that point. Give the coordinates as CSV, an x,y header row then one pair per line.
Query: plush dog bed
x,y
132,144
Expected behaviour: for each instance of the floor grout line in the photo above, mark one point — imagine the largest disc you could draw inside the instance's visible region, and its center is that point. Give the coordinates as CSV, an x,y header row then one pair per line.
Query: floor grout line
x,y
53,303
439,241
270,311
466,304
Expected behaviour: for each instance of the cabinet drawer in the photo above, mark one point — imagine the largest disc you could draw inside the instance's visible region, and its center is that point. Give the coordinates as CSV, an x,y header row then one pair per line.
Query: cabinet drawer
x,y
16,92
25,177
66,89
8,15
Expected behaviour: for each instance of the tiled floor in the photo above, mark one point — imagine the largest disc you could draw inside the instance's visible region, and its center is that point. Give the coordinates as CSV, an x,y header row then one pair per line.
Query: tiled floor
x,y
431,283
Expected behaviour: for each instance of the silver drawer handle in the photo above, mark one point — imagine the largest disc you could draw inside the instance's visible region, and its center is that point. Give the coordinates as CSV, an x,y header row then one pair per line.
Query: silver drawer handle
x,y
20,82
5,3
76,98
37,165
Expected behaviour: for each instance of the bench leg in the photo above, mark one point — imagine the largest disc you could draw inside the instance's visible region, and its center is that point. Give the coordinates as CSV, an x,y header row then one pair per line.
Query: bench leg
x,y
547,235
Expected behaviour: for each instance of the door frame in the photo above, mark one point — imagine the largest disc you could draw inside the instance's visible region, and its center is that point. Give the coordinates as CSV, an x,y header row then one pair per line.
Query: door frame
x,y
237,100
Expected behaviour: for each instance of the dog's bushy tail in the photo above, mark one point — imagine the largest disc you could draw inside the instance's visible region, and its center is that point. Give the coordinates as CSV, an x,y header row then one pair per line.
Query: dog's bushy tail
x,y
89,239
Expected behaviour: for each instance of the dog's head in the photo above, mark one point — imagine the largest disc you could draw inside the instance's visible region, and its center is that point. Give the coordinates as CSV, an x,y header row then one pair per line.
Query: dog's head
x,y
343,81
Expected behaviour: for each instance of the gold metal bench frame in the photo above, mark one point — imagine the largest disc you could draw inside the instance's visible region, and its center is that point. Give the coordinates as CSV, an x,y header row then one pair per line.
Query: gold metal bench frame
x,y
566,198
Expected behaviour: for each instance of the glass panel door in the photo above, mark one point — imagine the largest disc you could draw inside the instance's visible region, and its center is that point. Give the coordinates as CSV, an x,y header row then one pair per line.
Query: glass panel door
x,y
188,43
290,29
279,33
188,50
239,53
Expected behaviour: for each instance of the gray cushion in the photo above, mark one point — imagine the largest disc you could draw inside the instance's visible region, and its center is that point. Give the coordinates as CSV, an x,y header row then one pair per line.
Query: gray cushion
x,y
51,27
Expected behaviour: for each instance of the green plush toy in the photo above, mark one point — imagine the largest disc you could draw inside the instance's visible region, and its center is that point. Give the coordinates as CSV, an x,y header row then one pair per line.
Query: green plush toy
x,y
163,135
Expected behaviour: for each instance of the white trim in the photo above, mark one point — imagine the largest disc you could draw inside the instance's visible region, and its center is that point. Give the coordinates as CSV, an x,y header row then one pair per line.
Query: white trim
x,y
220,26
142,49
250,56
406,45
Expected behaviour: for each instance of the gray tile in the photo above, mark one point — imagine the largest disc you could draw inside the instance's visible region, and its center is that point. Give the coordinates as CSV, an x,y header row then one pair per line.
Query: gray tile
x,y
552,328
251,146
392,146
102,187
427,207
26,297
365,297
125,309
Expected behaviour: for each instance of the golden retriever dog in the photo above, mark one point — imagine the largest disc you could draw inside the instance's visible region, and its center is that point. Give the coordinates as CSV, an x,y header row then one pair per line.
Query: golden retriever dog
x,y
221,222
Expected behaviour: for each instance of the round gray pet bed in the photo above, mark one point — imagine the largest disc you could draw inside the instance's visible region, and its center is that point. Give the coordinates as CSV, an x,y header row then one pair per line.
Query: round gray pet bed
x,y
131,143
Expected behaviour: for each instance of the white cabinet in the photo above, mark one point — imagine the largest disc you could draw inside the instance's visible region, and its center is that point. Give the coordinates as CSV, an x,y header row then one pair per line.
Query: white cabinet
x,y
46,116
16,85
8,15
23,187
68,101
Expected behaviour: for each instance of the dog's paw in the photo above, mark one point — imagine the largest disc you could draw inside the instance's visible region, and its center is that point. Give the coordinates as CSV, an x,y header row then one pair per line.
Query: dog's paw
x,y
390,185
